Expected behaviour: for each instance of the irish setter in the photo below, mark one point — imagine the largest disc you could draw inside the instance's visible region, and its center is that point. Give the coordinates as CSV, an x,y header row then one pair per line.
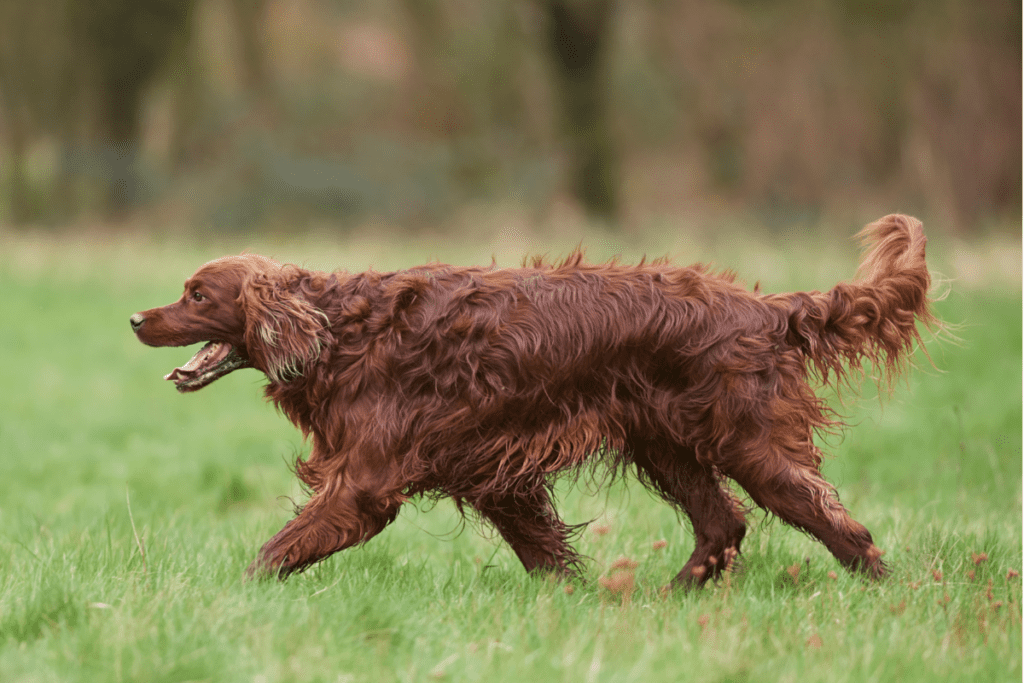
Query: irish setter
x,y
483,384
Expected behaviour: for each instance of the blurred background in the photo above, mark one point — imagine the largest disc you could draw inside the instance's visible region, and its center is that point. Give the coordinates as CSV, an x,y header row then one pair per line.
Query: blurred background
x,y
234,115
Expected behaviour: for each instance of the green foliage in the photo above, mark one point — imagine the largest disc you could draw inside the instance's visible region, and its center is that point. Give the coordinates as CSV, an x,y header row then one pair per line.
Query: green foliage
x,y
128,513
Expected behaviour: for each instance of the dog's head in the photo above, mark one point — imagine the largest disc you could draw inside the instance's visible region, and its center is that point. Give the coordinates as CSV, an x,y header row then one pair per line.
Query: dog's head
x,y
245,310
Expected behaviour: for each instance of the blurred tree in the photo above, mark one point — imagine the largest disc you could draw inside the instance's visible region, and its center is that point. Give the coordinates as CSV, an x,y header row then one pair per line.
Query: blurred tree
x,y
430,43
579,33
77,73
186,78
36,95
249,18
15,106
121,45
787,108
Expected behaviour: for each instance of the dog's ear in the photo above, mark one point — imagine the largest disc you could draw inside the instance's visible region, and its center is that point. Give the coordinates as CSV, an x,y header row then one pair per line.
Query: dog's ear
x,y
284,333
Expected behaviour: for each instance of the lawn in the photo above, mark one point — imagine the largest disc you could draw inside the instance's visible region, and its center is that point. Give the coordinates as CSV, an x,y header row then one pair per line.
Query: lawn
x,y
128,512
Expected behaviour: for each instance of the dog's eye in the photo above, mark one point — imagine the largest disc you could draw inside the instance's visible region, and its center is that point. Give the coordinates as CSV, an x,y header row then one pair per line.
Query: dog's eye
x,y
198,296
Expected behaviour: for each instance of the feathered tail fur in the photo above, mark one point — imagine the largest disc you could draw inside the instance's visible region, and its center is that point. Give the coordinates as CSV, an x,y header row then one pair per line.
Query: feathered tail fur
x,y
875,316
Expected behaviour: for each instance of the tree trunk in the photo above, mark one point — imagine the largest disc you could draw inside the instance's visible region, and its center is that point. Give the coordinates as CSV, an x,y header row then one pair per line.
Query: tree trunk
x,y
579,35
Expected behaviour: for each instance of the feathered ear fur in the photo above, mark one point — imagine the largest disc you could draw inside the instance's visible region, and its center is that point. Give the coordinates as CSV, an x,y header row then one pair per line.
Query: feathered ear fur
x,y
284,333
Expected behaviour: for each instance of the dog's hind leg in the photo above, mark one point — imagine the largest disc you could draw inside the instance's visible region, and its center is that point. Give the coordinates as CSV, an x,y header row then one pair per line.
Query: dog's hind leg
x,y
717,517
785,482
529,523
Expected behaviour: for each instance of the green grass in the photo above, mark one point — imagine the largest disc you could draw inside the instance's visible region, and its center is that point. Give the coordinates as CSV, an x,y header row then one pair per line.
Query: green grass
x,y
128,514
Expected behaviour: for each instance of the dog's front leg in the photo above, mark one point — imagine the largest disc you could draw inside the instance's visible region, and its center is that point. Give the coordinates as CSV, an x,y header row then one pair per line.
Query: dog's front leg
x,y
343,513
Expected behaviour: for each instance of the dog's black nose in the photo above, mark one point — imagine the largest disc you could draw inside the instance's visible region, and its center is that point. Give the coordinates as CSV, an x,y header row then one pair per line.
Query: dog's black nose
x,y
136,320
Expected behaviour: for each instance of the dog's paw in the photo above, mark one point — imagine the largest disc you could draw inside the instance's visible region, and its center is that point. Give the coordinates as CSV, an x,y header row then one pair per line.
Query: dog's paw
x,y
267,566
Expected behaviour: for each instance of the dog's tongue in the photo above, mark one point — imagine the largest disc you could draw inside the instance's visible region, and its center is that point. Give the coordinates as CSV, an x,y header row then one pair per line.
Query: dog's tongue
x,y
208,356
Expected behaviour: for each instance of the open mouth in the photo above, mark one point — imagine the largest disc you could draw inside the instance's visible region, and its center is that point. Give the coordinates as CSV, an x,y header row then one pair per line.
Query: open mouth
x,y
211,362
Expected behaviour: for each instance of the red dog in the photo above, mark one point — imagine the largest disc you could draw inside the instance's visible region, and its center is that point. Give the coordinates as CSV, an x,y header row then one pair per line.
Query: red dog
x,y
483,384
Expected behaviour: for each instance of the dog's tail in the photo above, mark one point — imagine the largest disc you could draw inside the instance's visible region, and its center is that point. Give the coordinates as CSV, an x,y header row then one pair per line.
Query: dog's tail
x,y
875,316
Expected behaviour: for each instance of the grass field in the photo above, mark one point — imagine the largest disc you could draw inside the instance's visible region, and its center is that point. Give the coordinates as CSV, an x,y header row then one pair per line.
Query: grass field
x,y
128,512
